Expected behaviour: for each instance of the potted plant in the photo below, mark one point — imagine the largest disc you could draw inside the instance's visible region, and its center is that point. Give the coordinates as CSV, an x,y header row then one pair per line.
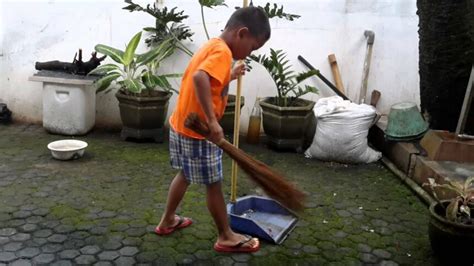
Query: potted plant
x,y
451,226
286,116
143,95
227,120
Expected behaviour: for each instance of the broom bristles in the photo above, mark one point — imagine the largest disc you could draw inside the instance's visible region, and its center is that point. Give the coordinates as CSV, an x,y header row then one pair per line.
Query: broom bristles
x,y
274,185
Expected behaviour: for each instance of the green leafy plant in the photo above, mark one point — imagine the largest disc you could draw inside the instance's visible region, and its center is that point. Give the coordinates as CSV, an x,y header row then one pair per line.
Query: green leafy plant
x,y
286,81
168,25
209,4
278,12
135,73
271,12
459,207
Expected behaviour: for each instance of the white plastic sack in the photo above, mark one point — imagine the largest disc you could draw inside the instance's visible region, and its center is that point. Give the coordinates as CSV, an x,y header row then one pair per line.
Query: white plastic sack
x,y
341,132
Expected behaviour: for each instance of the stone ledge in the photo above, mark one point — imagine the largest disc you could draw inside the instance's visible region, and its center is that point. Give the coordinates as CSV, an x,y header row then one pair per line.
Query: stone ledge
x,y
62,78
406,157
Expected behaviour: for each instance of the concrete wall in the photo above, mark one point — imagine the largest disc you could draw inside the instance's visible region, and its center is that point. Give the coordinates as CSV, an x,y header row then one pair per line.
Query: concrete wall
x,y
48,30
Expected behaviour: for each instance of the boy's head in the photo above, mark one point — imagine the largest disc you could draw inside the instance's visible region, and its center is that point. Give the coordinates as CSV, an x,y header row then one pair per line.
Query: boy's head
x,y
249,29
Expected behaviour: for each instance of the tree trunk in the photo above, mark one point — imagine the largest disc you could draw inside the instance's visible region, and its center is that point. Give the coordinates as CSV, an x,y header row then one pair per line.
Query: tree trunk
x,y
446,49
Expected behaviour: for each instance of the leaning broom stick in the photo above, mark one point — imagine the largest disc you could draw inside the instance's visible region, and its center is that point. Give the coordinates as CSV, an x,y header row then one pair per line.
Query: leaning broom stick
x,y
274,185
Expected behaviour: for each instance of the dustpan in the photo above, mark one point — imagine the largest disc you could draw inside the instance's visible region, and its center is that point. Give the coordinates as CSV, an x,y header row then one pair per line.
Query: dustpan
x,y
262,217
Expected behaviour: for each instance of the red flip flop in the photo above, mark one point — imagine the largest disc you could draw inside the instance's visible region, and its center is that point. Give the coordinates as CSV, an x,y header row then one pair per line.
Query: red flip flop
x,y
182,223
237,248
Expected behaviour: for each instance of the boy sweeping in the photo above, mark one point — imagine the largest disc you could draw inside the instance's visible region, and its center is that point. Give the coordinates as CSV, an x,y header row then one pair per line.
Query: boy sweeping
x,y
204,91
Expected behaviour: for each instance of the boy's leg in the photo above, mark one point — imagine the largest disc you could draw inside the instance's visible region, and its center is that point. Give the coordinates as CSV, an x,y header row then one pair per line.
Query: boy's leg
x,y
217,208
176,192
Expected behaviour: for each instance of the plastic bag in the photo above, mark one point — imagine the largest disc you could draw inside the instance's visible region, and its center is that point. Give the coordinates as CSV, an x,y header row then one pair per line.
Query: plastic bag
x,y
341,132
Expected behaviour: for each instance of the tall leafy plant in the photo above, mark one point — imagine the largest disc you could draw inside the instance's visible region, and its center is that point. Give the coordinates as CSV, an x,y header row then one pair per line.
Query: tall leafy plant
x,y
286,80
277,12
209,4
272,11
135,73
168,25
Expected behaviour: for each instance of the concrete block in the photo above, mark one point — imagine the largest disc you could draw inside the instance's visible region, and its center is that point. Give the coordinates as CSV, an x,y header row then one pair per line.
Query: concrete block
x,y
402,154
68,105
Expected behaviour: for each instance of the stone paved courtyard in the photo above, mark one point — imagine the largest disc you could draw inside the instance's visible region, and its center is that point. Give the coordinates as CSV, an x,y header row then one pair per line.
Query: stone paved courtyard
x,y
102,209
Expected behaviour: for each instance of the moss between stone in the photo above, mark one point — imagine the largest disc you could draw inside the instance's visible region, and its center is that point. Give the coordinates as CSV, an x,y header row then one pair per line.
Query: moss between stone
x,y
271,259
64,211
131,180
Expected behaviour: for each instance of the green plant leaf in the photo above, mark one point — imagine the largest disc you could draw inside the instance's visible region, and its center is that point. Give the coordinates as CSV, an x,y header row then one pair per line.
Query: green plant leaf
x,y
132,7
305,75
104,69
172,75
455,186
150,29
311,89
147,80
130,50
161,52
132,85
465,210
104,82
212,3
163,17
161,82
286,80
115,54
452,210
278,12
467,183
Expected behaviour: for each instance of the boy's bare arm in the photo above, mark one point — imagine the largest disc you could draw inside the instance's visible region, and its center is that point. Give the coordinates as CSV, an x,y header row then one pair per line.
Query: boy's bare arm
x,y
202,85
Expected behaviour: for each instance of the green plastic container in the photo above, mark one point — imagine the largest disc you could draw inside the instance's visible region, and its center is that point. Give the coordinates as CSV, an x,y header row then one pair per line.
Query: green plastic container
x,y
405,122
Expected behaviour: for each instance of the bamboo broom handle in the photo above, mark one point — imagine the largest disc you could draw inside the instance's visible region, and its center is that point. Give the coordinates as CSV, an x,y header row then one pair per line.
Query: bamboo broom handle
x,y
233,186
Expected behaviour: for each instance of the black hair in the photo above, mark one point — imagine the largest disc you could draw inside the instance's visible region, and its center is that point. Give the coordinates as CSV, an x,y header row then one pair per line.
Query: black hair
x,y
254,18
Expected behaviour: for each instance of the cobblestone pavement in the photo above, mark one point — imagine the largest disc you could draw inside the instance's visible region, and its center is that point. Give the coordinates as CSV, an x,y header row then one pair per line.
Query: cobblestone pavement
x,y
102,209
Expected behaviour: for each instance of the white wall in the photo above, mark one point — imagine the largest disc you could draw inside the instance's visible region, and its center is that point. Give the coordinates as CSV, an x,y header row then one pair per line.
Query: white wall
x,y
53,30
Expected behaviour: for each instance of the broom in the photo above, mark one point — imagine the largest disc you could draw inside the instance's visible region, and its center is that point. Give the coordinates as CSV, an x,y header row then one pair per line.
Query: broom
x,y
274,185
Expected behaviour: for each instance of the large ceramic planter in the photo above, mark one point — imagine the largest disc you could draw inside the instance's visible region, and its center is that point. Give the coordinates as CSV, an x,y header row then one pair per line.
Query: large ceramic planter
x,y
452,242
143,117
287,128
227,120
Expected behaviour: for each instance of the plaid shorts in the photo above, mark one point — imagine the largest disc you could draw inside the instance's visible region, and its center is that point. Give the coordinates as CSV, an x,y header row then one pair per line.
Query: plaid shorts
x,y
200,160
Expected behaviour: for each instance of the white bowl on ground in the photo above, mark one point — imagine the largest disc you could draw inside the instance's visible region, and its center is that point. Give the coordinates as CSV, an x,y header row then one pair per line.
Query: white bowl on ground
x,y
67,149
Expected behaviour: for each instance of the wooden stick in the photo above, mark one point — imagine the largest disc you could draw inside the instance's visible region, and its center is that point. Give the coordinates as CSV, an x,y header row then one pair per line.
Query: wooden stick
x,y
233,184
233,181
335,72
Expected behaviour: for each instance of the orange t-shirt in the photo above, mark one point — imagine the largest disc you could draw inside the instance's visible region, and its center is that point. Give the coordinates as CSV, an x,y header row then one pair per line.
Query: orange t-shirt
x,y
215,58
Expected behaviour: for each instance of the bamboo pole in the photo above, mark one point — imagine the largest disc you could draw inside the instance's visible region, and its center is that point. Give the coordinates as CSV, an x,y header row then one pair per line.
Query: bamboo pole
x,y
233,186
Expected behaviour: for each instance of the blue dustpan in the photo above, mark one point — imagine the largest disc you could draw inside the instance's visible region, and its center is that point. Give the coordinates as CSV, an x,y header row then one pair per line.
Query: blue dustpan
x,y
261,217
